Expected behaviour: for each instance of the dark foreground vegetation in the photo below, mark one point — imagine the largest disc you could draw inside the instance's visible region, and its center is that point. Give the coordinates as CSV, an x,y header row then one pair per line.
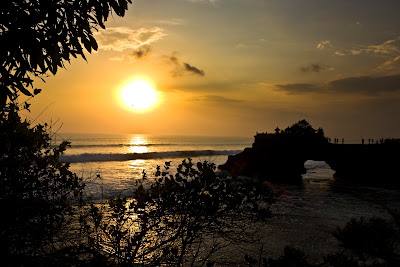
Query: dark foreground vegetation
x,y
181,219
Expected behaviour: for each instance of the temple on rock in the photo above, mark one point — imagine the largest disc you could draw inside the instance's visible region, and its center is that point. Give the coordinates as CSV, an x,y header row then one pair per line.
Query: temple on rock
x,y
280,157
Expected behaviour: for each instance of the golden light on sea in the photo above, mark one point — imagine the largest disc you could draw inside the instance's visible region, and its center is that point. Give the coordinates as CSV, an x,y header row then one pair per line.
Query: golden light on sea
x,y
138,144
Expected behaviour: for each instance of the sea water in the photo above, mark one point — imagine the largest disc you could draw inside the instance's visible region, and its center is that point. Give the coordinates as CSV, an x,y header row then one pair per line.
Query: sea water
x,y
111,164
304,215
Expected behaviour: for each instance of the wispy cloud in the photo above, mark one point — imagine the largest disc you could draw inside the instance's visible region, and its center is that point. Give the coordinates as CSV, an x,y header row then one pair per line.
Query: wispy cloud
x,y
298,88
312,68
139,53
315,67
171,21
218,99
387,48
213,2
122,38
390,66
323,44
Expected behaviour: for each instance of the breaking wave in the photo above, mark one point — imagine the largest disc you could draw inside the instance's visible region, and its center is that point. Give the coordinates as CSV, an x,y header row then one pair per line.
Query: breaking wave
x,y
92,157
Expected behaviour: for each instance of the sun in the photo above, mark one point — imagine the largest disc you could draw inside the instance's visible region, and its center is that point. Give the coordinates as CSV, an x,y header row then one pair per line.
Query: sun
x,y
139,96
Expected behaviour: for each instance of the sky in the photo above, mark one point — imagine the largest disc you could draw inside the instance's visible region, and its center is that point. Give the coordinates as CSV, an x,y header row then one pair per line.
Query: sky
x,y
237,67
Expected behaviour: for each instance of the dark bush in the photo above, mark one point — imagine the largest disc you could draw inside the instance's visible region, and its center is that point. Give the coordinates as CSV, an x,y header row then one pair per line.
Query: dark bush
x,y
368,237
177,217
36,189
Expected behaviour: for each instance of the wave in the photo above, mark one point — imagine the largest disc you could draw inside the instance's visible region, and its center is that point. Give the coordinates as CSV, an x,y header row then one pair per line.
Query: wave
x,y
146,145
118,145
92,157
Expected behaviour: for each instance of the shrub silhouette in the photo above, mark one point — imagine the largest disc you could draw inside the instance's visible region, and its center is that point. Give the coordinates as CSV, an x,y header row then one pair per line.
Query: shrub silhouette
x,y
368,237
168,222
36,189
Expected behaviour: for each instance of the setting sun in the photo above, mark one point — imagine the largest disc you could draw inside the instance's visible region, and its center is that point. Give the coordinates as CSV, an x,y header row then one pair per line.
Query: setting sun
x,y
139,96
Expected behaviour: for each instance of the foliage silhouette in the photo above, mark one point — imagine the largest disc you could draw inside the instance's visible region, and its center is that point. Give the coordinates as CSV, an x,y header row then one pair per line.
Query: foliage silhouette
x,y
36,190
39,36
373,237
176,217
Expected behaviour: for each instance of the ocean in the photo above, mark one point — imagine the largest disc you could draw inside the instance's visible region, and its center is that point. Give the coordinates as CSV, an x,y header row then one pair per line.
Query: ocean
x,y
304,215
121,159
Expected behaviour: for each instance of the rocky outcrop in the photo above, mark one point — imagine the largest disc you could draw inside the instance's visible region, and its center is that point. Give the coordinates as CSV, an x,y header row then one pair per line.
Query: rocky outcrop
x,y
280,157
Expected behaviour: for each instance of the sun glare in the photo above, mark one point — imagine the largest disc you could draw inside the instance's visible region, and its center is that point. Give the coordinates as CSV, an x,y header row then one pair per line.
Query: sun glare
x,y
139,96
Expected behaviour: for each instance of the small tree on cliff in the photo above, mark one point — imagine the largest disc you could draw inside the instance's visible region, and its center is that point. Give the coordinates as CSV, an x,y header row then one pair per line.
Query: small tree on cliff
x,y
38,36
302,127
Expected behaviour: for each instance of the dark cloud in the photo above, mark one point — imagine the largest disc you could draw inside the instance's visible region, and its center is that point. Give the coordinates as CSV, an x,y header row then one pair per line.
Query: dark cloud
x,y
173,59
312,68
366,84
298,88
141,51
220,99
193,69
180,68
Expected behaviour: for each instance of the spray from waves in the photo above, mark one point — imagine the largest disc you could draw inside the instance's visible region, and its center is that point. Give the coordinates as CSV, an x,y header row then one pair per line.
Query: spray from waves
x,y
141,145
118,145
93,157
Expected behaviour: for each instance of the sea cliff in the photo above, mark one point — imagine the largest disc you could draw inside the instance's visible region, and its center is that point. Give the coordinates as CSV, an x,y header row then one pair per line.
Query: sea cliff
x,y
280,157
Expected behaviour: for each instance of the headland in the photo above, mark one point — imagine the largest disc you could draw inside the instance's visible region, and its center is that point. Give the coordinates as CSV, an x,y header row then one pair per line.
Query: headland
x,y
280,157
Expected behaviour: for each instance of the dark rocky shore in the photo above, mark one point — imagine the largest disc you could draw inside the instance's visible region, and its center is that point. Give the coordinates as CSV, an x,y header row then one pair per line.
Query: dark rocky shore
x,y
280,157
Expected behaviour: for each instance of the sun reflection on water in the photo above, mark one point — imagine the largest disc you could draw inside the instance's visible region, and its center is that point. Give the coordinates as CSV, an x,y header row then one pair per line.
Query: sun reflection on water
x,y
138,144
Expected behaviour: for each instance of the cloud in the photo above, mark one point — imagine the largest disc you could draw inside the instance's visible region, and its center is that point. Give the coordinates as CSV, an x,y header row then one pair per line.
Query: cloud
x,y
141,51
173,59
387,48
243,45
391,66
323,44
312,68
212,2
193,69
122,38
363,85
219,99
369,85
338,53
180,69
171,22
298,88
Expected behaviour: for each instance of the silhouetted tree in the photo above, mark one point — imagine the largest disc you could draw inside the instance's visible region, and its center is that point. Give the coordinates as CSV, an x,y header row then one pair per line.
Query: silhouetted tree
x,y
302,127
36,191
38,36
177,216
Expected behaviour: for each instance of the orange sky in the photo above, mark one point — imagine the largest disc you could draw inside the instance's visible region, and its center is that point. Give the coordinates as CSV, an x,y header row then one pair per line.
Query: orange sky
x,y
236,67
